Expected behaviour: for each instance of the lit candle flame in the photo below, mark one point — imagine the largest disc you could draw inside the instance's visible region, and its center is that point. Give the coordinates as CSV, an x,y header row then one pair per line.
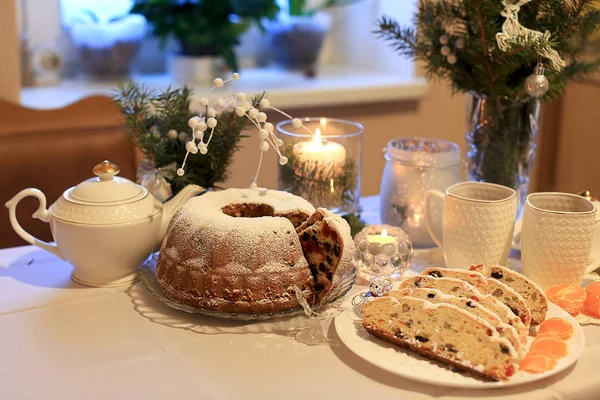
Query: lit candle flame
x,y
317,138
331,186
384,233
323,123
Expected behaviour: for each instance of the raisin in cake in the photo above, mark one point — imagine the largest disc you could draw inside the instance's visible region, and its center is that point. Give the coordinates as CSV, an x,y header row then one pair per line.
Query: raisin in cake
x,y
327,244
444,332
533,294
499,290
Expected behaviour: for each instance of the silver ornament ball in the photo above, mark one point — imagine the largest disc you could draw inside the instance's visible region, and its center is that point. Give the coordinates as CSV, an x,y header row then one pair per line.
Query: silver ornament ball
x,y
537,84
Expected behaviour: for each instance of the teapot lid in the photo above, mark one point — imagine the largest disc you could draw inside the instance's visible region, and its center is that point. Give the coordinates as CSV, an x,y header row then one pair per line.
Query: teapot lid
x,y
106,188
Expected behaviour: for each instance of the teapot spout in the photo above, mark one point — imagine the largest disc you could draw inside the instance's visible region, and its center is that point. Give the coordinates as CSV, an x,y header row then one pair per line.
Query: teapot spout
x,y
173,205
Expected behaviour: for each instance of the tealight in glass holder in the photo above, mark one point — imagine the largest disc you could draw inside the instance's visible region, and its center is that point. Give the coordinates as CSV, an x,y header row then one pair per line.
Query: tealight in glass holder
x,y
324,161
382,250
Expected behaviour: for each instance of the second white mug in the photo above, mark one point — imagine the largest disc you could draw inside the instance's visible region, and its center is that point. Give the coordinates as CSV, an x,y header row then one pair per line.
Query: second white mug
x,y
477,223
557,236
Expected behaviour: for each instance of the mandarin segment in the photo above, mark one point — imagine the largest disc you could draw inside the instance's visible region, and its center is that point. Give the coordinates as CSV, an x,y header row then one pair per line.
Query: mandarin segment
x,y
570,298
549,346
592,302
551,335
558,326
594,288
537,363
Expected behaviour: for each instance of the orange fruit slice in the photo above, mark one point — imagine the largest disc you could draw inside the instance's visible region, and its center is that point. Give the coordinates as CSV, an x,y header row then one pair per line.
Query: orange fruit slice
x,y
557,326
568,297
592,301
551,335
537,363
550,346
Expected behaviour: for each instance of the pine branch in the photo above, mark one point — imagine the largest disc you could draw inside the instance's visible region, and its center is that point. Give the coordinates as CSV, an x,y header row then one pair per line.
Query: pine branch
x,y
404,39
148,116
485,48
480,65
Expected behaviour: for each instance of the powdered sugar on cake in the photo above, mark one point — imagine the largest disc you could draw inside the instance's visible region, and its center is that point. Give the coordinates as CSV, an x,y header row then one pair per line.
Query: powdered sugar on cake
x,y
237,250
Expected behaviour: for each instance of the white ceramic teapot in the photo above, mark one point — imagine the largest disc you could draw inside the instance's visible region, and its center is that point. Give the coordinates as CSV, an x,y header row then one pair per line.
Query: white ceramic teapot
x,y
105,226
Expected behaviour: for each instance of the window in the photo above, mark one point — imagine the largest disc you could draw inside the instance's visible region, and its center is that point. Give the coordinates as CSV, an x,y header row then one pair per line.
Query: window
x,y
103,9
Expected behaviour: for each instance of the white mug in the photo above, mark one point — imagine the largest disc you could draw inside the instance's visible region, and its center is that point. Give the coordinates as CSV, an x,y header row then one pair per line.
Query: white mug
x,y
477,223
557,236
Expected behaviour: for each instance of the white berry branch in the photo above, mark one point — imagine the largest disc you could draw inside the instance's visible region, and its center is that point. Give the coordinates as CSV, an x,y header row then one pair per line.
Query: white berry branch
x,y
242,108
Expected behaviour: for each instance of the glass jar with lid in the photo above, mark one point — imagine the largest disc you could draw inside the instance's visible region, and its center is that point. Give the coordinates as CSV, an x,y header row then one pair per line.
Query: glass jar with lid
x,y
414,166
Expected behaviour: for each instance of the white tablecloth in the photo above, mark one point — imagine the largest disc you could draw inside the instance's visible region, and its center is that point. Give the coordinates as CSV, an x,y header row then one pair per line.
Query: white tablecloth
x,y
61,340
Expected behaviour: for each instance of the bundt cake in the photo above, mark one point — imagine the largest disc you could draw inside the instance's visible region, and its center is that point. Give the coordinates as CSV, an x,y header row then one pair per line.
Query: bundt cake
x,y
237,251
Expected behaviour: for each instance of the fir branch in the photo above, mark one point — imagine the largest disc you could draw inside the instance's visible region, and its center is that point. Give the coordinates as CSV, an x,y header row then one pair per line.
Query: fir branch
x,y
404,39
148,116
485,48
481,66
514,51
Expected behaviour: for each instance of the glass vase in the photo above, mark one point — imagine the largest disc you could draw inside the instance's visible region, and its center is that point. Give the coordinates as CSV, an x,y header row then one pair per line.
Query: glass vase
x,y
501,139
324,167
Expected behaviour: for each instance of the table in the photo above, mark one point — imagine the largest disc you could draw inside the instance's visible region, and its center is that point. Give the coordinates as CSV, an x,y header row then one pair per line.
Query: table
x,y
61,340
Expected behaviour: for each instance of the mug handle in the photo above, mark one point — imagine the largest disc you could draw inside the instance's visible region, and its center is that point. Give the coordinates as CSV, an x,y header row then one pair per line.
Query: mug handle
x,y
593,266
434,227
41,213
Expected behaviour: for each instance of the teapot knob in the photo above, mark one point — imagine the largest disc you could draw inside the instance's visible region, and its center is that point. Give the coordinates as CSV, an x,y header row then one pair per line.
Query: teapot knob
x,y
106,170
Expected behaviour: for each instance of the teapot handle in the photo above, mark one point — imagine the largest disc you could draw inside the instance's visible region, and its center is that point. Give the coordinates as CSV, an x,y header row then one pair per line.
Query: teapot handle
x,y
41,213
434,215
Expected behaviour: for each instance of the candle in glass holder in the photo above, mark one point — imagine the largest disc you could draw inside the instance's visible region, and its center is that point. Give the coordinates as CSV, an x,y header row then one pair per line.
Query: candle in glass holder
x,y
330,129
321,151
382,243
383,238
382,250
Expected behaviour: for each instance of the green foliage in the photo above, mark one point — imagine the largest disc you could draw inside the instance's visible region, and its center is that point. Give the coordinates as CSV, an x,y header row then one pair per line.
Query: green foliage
x,y
299,176
205,27
481,66
149,115
300,7
356,222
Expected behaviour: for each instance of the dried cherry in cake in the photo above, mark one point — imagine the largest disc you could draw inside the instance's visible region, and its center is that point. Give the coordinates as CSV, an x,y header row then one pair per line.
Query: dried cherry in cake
x,y
323,245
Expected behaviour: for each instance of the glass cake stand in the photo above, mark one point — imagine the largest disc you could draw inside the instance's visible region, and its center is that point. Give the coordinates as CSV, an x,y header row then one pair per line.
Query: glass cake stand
x,y
342,283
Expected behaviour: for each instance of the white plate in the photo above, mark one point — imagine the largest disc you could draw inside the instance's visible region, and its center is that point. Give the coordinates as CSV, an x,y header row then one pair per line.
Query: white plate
x,y
409,365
